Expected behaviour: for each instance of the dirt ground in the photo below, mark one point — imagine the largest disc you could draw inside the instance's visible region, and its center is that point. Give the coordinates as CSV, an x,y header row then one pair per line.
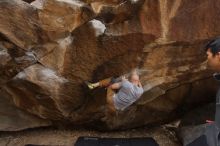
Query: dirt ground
x,y
52,136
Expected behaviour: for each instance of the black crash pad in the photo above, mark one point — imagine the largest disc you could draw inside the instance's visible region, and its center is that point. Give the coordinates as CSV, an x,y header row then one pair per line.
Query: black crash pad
x,y
201,141
95,141
41,145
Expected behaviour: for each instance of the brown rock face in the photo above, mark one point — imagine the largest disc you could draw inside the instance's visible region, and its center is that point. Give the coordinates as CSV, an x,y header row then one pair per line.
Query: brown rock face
x,y
14,119
19,25
49,48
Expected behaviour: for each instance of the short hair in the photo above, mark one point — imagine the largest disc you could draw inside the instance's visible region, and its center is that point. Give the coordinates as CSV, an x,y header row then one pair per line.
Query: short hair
x,y
214,46
134,71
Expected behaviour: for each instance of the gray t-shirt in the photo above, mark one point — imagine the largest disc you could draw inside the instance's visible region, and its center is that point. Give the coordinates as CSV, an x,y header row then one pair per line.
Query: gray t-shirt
x,y
127,94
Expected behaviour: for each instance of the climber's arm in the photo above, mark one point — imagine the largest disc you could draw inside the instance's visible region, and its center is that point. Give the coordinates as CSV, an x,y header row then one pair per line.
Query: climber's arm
x,y
115,86
118,85
139,84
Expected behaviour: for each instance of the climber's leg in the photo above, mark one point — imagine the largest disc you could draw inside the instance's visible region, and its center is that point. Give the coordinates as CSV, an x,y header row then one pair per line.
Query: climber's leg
x,y
105,82
110,101
102,83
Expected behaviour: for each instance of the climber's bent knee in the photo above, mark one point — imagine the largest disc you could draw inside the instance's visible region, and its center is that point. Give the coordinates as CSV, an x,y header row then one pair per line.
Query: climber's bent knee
x,y
110,100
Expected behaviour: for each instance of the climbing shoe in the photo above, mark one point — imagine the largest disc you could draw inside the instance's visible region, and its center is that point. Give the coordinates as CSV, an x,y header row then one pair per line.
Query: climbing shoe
x,y
89,85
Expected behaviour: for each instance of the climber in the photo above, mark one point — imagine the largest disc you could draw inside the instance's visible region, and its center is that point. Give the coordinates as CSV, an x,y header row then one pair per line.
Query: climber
x,y
129,90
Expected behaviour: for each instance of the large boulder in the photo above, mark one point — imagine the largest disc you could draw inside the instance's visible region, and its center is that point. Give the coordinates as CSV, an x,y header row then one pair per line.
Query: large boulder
x,y
51,47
